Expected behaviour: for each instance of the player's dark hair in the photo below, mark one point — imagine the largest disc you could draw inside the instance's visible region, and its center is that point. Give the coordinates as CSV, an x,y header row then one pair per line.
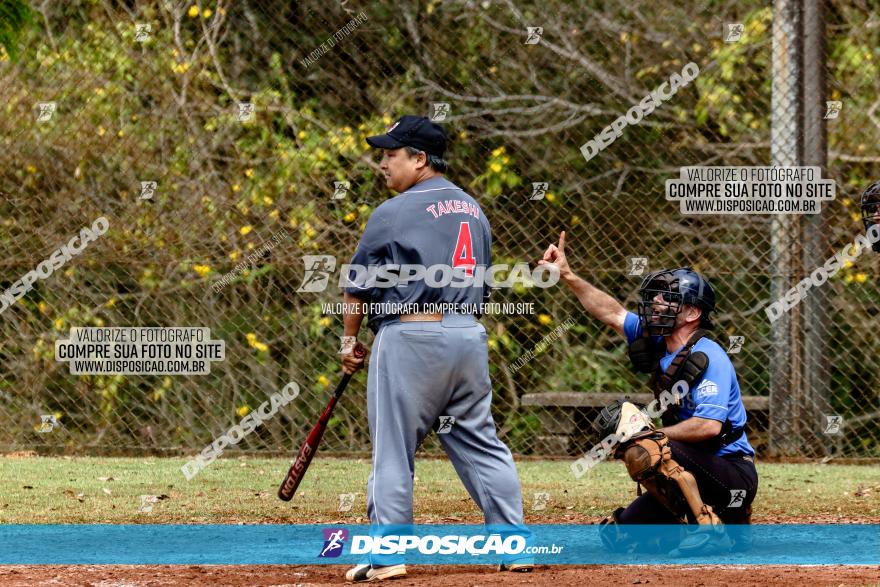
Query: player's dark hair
x,y
436,163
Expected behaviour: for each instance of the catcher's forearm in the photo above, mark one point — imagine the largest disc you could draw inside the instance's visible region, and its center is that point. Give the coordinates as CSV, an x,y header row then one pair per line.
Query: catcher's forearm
x,y
353,314
693,429
596,302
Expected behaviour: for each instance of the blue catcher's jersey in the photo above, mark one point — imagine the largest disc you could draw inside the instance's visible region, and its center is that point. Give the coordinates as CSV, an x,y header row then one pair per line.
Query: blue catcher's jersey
x,y
716,396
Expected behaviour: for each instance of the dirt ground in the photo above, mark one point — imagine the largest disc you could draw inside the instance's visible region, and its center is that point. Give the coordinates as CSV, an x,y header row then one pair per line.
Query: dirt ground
x,y
558,576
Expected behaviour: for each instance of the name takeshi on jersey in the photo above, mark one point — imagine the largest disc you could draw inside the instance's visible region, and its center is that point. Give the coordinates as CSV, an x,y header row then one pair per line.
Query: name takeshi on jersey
x,y
453,207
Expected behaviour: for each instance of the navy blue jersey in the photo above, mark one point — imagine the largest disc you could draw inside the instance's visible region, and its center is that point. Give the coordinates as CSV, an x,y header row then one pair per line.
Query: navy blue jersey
x,y
716,396
432,223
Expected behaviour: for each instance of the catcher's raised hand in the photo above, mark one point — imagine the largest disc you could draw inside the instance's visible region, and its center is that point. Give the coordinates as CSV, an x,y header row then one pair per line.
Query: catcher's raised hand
x,y
555,255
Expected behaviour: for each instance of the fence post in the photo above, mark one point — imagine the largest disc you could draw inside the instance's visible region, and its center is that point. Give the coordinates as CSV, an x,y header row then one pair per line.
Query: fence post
x,y
786,388
816,363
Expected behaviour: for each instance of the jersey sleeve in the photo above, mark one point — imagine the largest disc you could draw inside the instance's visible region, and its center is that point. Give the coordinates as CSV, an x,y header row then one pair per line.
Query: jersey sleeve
x,y
712,395
373,249
632,327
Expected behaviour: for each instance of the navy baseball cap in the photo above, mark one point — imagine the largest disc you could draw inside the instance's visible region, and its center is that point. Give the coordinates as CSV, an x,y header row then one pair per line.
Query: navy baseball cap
x,y
412,131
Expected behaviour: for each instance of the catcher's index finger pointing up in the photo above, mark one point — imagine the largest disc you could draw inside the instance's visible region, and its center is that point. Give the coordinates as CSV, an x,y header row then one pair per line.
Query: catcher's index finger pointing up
x,y
562,241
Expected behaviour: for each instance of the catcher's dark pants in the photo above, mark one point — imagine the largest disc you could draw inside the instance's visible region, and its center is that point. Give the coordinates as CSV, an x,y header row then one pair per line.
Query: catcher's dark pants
x,y
729,484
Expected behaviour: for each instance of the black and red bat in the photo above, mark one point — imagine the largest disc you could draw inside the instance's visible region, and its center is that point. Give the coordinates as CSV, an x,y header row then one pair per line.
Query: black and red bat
x,y
310,447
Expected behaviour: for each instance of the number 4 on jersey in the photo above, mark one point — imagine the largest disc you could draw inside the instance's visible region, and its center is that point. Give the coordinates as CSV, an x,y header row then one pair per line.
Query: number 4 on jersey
x,y
464,249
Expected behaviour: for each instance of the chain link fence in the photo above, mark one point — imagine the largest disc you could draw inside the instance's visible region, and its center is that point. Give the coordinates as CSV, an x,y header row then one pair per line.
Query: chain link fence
x,y
224,141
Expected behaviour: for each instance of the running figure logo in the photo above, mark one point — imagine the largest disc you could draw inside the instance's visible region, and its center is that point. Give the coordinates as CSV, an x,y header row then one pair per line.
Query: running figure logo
x,y
833,422
637,265
439,111
735,344
346,500
334,540
533,34
318,269
445,424
736,498
832,109
734,32
539,190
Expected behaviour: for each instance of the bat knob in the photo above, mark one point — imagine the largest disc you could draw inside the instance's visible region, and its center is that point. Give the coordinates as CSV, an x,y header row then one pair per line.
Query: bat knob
x,y
359,352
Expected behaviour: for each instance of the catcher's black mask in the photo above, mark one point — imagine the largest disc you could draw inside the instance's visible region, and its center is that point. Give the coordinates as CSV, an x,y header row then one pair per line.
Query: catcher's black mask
x,y
870,204
675,287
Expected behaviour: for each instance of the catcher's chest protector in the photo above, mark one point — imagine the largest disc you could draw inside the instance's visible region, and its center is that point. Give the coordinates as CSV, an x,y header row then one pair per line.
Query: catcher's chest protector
x,y
688,366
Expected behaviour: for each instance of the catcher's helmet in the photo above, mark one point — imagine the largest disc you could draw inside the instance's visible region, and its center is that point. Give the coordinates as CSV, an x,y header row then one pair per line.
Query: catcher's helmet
x,y
870,204
676,287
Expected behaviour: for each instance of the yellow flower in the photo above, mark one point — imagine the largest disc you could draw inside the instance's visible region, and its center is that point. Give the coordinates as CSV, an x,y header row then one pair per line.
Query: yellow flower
x,y
101,131
57,415
495,167
545,319
350,217
861,277
202,270
42,307
498,151
463,134
252,340
323,380
846,202
575,220
301,135
243,410
181,67
848,279
493,344
856,217
267,200
99,322
31,169
550,197
193,11
236,187
245,230
206,13
275,214
505,160
249,172
120,134
59,323
110,303
325,321
234,255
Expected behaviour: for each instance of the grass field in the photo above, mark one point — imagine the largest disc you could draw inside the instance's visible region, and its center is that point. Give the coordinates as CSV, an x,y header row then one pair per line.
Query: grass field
x,y
232,490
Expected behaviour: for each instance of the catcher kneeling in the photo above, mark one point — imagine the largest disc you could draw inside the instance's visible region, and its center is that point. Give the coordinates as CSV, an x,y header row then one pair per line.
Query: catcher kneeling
x,y
698,469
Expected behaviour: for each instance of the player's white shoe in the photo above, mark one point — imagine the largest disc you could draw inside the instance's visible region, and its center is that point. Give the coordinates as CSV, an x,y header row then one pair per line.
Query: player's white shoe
x,y
363,573
520,566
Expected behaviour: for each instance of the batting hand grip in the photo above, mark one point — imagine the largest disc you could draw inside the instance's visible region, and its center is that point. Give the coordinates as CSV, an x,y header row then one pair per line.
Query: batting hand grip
x,y
310,446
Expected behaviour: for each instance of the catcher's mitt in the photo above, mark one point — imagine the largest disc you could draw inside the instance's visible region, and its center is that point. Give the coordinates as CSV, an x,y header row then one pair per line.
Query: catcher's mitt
x,y
626,421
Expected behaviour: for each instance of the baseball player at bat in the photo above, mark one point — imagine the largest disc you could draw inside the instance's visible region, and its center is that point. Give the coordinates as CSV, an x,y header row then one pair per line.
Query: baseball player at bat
x,y
699,467
429,370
